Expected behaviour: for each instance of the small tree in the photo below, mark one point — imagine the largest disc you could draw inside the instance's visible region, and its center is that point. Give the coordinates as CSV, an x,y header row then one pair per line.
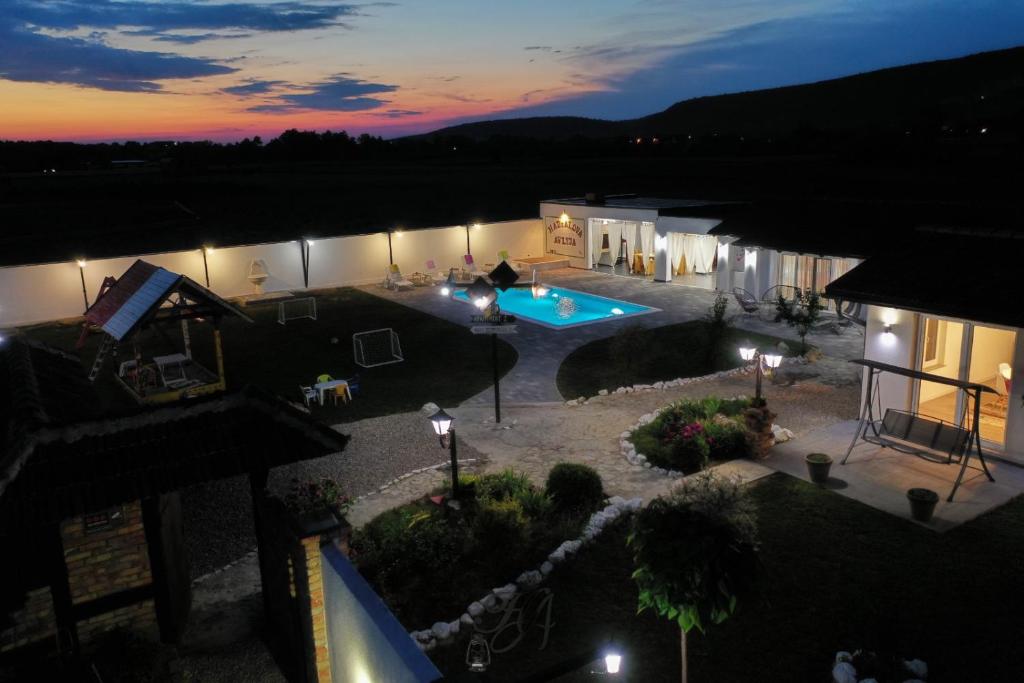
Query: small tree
x,y
718,326
802,312
695,552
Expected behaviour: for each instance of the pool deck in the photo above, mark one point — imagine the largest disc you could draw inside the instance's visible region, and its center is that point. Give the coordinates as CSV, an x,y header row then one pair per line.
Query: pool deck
x,y
542,349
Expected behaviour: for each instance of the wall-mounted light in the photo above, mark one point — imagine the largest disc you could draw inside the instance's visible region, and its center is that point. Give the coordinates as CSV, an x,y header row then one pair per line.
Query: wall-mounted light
x,y
477,226
750,258
310,243
564,218
81,274
660,243
887,329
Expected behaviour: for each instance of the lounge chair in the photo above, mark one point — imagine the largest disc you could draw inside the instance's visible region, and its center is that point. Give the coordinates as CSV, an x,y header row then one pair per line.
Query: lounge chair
x,y
471,266
393,278
435,274
747,301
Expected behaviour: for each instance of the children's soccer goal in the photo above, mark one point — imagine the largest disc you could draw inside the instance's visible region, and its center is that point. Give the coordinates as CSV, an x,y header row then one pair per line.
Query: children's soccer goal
x,y
293,309
376,347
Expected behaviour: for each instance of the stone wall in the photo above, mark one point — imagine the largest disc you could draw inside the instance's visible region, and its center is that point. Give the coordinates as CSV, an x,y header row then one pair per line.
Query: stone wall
x,y
32,622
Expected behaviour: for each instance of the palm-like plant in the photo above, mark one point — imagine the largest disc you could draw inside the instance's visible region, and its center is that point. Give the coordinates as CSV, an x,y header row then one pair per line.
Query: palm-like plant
x,y
695,552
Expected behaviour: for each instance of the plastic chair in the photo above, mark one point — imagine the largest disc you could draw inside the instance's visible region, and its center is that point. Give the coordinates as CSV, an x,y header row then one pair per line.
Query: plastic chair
x,y
309,394
353,385
341,391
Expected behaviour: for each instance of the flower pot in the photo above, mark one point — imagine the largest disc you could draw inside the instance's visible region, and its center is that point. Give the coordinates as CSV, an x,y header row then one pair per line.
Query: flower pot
x,y
818,466
922,503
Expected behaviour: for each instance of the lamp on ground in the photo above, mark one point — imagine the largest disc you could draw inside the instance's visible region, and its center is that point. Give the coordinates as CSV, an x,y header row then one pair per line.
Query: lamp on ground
x,y
442,423
612,661
449,284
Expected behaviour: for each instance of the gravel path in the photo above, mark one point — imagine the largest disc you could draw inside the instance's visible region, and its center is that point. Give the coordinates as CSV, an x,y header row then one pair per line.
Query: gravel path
x,y
218,515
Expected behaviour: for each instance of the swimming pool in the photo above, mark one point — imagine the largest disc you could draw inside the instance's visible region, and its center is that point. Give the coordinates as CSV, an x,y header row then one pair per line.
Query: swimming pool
x,y
560,308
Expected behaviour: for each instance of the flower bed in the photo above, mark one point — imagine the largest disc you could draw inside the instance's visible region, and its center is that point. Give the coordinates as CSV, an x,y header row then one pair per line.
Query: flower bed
x,y
427,560
688,434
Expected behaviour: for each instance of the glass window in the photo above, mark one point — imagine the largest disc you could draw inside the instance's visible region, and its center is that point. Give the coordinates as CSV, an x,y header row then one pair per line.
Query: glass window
x,y
941,401
991,363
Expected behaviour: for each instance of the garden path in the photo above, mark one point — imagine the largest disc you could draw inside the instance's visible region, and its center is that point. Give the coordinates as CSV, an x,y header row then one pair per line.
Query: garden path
x,y
542,350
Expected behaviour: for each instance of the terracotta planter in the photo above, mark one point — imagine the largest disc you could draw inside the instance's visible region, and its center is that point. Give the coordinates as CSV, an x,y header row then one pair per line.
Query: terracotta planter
x,y
922,503
818,466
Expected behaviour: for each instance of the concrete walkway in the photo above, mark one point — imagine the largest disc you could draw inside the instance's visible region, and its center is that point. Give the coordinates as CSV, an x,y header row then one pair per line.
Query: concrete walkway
x,y
542,349
880,477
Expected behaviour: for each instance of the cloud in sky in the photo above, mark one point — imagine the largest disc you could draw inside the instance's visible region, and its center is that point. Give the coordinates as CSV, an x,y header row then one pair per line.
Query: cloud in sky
x,y
341,92
254,86
35,57
38,44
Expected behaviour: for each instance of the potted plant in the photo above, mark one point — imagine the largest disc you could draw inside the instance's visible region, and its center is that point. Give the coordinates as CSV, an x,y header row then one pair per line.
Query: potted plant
x,y
922,503
818,466
317,506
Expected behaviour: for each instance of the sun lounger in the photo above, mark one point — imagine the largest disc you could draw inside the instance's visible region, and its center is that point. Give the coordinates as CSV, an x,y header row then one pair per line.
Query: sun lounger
x,y
471,266
393,279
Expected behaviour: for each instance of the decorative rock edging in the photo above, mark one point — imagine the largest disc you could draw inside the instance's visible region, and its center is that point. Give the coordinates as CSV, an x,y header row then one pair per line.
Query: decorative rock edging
x,y
662,386
628,450
402,477
443,632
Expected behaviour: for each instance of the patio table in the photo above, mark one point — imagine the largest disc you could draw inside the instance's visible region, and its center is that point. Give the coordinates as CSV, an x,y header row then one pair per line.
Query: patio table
x,y
332,385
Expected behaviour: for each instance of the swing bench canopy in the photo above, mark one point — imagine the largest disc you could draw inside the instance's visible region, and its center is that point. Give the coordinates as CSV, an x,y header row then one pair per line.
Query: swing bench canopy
x,y
922,435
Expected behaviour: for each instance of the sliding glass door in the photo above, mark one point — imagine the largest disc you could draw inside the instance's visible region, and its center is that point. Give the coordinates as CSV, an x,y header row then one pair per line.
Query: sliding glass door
x,y
966,351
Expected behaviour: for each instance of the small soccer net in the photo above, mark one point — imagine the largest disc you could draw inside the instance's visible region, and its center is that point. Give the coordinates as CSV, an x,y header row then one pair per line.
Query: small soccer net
x,y
376,347
293,309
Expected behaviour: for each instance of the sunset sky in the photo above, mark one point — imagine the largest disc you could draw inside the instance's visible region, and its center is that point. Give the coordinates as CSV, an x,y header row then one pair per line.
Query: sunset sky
x,y
156,69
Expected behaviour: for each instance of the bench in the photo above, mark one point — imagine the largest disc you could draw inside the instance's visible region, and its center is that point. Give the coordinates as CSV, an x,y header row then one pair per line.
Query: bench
x,y
930,438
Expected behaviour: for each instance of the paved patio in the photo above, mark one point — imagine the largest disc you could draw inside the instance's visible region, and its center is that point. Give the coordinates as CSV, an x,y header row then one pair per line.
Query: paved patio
x,y
880,477
542,349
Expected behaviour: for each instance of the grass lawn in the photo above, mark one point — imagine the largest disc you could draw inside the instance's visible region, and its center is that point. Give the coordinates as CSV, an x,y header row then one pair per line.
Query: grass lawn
x,y
444,363
838,575
656,354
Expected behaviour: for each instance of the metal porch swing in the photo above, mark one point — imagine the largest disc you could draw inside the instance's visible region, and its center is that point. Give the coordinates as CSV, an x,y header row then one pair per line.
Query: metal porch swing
x,y
927,437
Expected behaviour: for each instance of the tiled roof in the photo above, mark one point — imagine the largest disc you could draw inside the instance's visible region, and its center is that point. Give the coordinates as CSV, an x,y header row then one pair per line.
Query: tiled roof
x,y
59,458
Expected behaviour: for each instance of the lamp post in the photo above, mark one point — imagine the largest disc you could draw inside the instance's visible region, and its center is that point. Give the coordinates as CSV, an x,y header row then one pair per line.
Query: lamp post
x,y
206,268
764,363
81,274
442,423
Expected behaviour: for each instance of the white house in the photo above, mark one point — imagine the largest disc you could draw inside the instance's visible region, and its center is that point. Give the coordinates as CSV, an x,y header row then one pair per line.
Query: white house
x,y
947,305
707,244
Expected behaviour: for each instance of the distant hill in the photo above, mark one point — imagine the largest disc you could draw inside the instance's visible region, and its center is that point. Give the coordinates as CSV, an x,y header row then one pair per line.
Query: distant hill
x,y
947,96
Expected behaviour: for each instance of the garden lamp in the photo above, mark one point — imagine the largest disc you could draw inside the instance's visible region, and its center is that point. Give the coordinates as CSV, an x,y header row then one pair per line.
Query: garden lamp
x,y
481,293
442,423
478,654
612,661
449,284
772,360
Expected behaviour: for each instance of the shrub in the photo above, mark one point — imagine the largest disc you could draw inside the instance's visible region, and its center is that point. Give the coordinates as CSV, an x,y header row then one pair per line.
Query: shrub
x,y
536,504
575,487
499,528
312,497
504,485
726,438
689,448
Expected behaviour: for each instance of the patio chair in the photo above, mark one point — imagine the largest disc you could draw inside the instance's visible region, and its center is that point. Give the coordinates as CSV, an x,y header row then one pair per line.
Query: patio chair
x,y
353,384
747,301
309,394
435,274
393,278
472,267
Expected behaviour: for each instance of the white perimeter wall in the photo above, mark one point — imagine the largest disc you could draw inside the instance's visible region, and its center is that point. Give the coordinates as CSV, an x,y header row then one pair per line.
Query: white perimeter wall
x,y
39,293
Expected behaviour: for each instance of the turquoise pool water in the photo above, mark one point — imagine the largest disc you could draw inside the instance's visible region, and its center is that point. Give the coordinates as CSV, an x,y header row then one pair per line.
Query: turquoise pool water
x,y
563,307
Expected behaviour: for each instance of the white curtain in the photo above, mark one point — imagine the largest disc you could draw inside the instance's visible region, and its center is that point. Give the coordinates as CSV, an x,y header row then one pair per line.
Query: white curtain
x,y
675,245
596,231
705,253
629,232
615,239
647,239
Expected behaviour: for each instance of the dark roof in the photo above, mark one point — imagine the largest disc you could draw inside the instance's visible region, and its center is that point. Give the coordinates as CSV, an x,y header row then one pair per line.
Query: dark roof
x,y
665,206
59,458
854,228
975,277
136,298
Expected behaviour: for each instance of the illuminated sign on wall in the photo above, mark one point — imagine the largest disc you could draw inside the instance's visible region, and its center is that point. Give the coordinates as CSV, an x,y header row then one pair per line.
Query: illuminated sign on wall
x,y
564,236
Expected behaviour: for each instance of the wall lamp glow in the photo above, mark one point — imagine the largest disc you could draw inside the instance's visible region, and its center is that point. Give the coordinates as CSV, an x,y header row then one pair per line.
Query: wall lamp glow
x,y
81,273
564,218
887,329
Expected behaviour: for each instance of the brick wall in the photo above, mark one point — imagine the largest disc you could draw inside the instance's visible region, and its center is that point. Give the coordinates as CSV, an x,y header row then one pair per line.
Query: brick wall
x,y
314,577
32,622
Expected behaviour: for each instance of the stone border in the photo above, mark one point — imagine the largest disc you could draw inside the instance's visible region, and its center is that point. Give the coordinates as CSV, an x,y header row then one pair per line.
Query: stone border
x,y
662,386
444,632
402,477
